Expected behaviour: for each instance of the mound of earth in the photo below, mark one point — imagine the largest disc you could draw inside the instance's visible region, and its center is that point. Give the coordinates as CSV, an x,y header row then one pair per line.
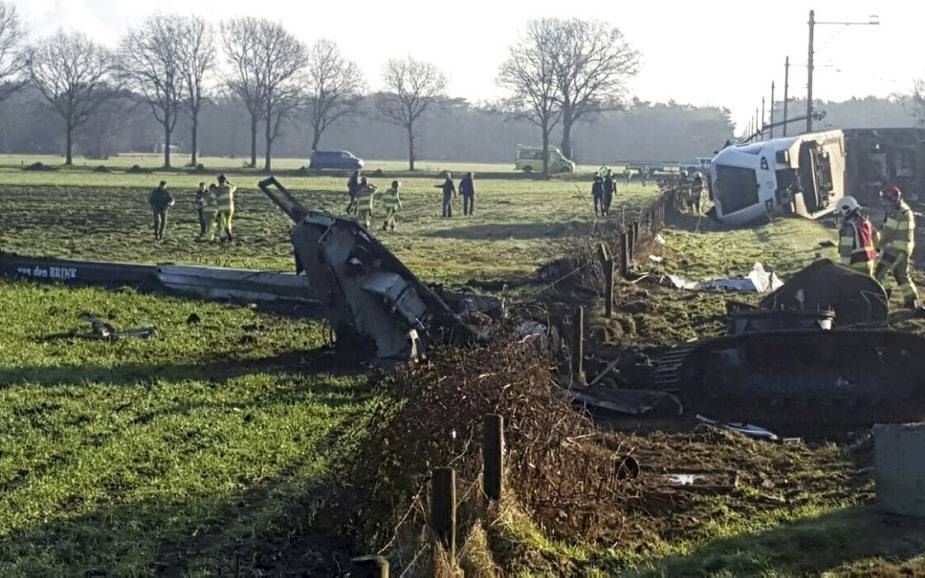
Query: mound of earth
x,y
38,166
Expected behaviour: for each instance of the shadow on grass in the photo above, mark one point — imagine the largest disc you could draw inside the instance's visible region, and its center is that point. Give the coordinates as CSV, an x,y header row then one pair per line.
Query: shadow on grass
x,y
144,374
528,231
269,528
834,541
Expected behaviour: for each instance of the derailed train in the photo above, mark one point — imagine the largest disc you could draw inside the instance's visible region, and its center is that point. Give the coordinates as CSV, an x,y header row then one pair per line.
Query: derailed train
x,y
807,174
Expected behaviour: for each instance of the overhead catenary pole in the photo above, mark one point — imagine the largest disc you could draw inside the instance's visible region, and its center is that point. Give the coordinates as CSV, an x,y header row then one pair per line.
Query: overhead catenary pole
x,y
786,91
809,73
762,116
771,128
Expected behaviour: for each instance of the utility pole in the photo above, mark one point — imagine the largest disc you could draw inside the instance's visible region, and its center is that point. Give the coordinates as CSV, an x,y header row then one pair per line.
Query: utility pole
x,y
757,123
786,91
873,20
771,135
809,69
762,116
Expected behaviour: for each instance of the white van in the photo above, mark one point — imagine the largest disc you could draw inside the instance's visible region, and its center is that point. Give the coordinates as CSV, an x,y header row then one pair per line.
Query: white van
x,y
530,160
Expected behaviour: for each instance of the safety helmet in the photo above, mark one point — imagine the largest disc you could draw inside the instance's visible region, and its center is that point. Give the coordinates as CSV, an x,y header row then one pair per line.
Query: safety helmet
x,y
848,205
891,193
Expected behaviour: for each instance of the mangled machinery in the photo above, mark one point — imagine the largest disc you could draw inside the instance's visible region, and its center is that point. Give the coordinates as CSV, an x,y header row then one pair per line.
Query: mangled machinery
x,y
372,300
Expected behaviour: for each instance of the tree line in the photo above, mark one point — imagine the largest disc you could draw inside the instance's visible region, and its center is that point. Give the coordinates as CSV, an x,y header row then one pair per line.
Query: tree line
x,y
560,72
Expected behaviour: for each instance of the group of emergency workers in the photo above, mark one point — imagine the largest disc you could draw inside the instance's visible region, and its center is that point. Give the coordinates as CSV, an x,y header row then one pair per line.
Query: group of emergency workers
x,y
214,208
363,196
889,251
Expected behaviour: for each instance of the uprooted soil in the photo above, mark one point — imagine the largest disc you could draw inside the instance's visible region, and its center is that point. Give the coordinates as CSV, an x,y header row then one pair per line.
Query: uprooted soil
x,y
564,474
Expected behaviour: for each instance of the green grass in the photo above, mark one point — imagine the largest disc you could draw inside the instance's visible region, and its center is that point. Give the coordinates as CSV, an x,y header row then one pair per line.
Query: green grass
x,y
178,452
518,225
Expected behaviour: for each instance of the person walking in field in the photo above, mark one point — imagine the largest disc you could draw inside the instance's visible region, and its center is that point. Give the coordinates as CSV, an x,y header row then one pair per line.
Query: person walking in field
x,y
202,200
610,189
467,192
353,186
392,203
627,175
449,193
365,196
224,200
597,193
160,200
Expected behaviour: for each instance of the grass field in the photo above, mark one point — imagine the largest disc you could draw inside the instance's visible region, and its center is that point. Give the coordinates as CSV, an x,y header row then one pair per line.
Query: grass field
x,y
195,452
518,225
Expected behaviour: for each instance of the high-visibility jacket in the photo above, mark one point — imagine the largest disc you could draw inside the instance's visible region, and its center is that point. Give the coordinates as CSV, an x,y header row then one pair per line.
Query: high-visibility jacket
x,y
224,197
898,233
856,244
390,199
365,194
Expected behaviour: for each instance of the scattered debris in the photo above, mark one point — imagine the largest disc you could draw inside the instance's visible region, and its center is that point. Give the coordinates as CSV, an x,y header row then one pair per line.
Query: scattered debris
x,y
656,258
758,280
138,170
752,431
193,319
101,169
39,166
634,402
102,330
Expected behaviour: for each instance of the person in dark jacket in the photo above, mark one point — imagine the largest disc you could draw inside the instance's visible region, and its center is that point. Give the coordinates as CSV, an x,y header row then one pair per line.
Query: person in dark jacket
x,y
610,189
353,187
449,193
597,193
467,191
202,200
160,200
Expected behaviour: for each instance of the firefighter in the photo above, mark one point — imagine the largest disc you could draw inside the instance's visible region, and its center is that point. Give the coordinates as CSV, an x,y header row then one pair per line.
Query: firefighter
x,y
467,192
365,196
391,202
449,193
202,200
160,200
224,201
856,237
353,186
627,175
597,193
896,243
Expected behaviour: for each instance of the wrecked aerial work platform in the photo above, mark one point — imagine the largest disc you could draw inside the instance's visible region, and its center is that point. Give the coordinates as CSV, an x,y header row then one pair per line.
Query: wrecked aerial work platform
x,y
782,363
372,300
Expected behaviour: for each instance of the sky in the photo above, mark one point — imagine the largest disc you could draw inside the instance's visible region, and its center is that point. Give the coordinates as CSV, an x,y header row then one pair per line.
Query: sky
x,y
721,53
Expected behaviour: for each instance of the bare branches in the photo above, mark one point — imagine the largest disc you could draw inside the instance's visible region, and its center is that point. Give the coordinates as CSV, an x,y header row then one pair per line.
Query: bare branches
x,y
266,61
413,86
11,63
529,74
149,60
197,60
73,75
335,85
592,63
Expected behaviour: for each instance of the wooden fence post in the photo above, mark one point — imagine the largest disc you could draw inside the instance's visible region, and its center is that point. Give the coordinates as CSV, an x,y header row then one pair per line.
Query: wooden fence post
x,y
625,256
443,508
635,227
493,456
579,351
369,567
608,282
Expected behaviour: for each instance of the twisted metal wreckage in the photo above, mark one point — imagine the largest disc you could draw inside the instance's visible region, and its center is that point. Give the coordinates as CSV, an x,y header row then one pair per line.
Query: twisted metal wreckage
x,y
816,350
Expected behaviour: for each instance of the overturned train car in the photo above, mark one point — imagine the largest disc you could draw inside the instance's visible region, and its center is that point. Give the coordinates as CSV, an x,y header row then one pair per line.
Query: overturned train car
x,y
807,174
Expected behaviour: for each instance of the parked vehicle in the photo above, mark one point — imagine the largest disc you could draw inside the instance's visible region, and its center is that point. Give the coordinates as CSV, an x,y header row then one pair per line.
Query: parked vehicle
x,y
700,164
343,160
530,160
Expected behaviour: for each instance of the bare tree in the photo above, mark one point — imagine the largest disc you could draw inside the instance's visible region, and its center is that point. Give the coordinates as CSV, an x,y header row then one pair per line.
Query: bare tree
x,y
335,87
529,73
197,60
267,61
149,60
412,87
592,63
11,35
73,74
240,40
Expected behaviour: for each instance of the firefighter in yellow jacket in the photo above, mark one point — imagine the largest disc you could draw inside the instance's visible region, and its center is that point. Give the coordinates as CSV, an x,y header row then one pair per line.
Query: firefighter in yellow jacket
x,y
224,200
856,237
391,202
897,240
